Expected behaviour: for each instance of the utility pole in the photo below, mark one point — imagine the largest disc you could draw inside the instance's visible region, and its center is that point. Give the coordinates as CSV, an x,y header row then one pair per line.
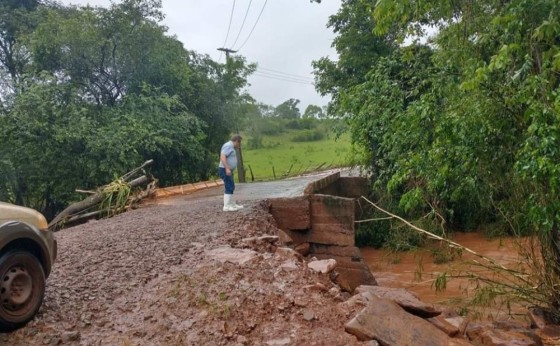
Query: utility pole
x,y
227,51
239,154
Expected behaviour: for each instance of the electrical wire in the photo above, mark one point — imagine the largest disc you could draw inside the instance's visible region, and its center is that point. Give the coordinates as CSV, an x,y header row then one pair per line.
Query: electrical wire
x,y
260,74
254,26
284,77
242,24
284,74
228,29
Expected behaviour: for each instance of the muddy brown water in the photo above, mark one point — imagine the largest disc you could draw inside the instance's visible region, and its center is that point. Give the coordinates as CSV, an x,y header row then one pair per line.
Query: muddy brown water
x,y
402,270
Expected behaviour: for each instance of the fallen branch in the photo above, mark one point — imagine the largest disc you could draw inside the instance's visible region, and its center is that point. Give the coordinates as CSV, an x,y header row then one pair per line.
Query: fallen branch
x,y
75,209
491,261
513,285
449,242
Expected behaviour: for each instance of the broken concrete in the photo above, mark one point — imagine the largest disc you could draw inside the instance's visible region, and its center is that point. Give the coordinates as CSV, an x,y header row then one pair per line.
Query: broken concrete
x,y
324,218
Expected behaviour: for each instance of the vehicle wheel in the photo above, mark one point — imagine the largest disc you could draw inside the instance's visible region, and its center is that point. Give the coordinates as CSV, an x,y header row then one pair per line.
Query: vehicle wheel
x,y
22,287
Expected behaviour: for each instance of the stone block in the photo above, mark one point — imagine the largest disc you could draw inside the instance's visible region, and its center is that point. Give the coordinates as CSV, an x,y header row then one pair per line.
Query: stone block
x,y
325,205
352,187
291,213
332,220
333,250
328,235
322,183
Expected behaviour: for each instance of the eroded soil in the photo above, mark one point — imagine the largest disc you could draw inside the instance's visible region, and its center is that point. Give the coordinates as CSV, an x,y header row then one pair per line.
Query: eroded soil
x,y
145,278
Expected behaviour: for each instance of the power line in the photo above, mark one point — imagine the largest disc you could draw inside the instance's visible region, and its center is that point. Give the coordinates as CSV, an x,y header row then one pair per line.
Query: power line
x,y
259,74
283,74
285,77
228,29
250,33
242,24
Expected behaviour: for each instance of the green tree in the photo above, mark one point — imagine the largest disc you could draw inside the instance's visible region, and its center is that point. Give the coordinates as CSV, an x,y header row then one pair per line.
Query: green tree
x,y
102,90
17,18
465,127
358,49
288,109
313,111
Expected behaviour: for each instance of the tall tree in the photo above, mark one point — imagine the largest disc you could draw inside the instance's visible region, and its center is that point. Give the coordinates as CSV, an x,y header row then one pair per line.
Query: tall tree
x,y
358,49
466,126
17,18
288,109
313,111
104,90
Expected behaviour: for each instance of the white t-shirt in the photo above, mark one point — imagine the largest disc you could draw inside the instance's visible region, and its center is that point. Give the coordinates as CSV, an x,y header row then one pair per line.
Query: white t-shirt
x,y
231,157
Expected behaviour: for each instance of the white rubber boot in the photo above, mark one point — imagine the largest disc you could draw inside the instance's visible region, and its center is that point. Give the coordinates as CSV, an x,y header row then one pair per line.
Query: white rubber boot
x,y
236,206
227,203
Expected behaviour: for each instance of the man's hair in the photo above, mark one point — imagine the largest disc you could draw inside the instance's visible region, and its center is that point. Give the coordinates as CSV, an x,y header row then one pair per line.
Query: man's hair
x,y
236,138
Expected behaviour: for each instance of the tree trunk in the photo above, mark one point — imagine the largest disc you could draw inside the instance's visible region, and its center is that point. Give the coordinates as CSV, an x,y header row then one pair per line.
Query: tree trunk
x,y
89,202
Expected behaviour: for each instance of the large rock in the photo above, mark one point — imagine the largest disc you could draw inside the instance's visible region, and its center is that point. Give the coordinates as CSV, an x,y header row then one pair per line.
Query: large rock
x,y
288,253
460,322
404,298
389,324
352,275
443,325
229,254
487,335
324,266
303,249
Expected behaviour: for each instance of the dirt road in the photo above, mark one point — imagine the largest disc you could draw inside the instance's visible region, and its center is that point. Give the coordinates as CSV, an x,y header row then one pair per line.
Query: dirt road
x,y
146,278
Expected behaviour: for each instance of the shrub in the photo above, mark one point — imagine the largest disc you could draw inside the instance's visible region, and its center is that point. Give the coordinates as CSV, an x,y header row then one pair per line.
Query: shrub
x,y
308,136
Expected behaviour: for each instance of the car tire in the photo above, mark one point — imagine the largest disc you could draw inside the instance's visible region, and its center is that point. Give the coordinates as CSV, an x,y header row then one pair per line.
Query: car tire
x,y
22,288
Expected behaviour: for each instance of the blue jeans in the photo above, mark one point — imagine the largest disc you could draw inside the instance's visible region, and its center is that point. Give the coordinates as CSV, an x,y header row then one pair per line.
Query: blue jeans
x,y
229,184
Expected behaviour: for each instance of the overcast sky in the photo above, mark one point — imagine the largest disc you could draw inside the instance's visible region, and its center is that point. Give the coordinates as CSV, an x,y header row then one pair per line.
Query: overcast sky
x,y
289,35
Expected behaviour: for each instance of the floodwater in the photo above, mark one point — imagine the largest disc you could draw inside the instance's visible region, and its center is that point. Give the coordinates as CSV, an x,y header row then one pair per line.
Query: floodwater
x,y
416,271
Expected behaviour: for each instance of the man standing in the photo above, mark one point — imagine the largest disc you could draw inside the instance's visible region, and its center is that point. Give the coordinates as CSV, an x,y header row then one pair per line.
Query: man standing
x,y
228,163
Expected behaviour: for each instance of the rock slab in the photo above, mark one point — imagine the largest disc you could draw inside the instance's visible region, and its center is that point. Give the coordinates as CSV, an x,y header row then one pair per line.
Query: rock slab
x,y
387,323
404,298
232,255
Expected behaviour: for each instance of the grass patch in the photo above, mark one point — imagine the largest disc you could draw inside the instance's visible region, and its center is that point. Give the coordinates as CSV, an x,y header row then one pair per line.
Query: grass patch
x,y
280,157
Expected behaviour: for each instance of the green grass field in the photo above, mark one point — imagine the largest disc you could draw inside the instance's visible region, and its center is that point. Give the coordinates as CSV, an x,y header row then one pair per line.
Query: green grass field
x,y
292,158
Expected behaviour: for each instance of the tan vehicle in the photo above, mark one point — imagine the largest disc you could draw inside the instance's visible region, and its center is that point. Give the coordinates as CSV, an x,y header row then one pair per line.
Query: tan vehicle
x,y
27,253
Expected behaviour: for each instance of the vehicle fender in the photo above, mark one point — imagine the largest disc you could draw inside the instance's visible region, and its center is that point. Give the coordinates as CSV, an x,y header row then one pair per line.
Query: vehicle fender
x,y
19,231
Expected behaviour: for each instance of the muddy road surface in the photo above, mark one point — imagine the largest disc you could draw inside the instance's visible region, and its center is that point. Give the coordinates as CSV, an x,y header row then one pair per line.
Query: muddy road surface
x,y
147,277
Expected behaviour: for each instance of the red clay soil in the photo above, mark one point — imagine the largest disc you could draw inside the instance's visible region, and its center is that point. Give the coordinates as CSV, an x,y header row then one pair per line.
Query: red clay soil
x,y
145,278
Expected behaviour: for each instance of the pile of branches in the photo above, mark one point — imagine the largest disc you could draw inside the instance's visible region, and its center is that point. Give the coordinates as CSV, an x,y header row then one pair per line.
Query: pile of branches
x,y
114,198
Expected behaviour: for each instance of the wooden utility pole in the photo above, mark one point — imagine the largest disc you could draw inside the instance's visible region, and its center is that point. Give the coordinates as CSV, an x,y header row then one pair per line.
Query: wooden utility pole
x,y
227,51
239,154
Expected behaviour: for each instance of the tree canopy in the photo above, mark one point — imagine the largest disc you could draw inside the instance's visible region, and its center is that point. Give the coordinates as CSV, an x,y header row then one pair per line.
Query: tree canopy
x,y
463,126
88,92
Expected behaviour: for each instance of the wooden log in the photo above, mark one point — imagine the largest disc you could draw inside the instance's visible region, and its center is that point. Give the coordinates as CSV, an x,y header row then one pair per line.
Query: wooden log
x,y
97,197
